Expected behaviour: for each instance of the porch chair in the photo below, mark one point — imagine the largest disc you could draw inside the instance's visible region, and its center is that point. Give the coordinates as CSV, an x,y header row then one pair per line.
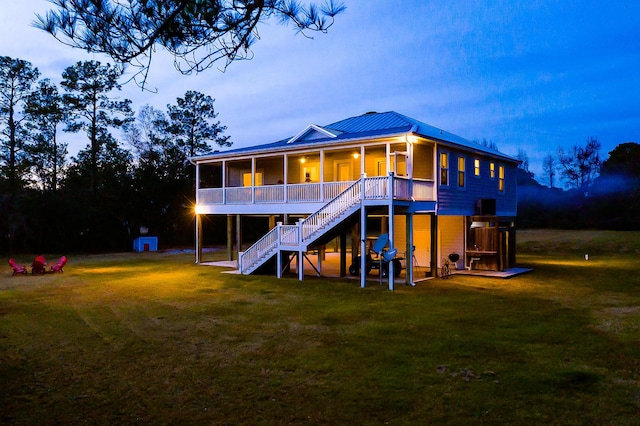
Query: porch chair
x,y
57,267
38,265
385,257
17,269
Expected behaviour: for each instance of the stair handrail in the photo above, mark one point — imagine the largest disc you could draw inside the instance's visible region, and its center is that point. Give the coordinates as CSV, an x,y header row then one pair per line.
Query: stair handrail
x,y
250,256
333,209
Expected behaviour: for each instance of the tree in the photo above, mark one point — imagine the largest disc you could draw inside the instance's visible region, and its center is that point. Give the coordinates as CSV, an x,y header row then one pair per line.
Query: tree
x,y
190,124
487,143
45,111
99,223
549,168
581,166
623,161
88,85
524,159
16,78
161,180
196,32
147,134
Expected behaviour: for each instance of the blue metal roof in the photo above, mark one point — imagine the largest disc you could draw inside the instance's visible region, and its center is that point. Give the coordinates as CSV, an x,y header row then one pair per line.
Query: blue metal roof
x,y
369,125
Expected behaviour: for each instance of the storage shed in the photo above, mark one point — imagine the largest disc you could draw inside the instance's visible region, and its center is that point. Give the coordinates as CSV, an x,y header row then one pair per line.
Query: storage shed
x,y
145,244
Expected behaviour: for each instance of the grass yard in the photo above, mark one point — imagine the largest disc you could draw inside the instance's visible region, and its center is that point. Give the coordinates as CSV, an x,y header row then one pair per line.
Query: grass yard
x,y
150,338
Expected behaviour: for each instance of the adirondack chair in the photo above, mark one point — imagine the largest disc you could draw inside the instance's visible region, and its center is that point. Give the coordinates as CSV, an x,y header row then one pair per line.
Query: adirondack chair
x,y
381,261
57,267
38,265
17,269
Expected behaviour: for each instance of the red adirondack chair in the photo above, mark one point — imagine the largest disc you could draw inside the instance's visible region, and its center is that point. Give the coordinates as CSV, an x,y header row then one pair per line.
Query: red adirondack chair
x,y
38,266
17,269
59,265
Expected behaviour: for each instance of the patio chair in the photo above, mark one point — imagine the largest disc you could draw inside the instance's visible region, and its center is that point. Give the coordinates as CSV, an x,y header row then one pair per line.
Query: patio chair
x,y
57,267
17,269
38,266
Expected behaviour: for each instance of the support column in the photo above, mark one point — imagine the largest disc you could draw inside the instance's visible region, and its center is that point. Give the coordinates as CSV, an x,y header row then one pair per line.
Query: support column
x,y
410,244
198,238
363,235
229,237
272,222
238,234
279,255
391,245
354,242
300,262
343,254
434,245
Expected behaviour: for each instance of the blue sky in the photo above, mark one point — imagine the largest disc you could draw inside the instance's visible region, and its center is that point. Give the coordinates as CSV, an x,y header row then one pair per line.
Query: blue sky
x,y
530,75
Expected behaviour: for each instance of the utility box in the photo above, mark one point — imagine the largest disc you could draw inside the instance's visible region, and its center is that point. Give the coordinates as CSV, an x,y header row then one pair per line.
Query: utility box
x,y
145,244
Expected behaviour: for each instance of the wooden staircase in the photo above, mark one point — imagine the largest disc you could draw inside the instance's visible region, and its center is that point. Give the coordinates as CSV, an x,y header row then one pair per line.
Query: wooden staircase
x,y
299,237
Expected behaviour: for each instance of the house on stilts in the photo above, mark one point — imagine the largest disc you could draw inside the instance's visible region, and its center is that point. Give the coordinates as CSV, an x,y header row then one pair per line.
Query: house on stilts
x,y
433,196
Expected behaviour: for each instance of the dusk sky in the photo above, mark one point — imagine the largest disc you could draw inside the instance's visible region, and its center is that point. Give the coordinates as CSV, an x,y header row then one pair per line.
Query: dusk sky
x,y
534,75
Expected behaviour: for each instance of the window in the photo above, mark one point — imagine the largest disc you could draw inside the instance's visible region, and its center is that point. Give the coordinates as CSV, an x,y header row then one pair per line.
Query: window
x,y
501,178
246,179
444,168
492,170
476,167
461,171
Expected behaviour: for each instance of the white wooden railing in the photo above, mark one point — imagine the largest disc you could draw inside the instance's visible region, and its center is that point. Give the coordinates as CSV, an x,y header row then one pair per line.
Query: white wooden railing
x,y
259,251
304,192
269,194
377,187
332,210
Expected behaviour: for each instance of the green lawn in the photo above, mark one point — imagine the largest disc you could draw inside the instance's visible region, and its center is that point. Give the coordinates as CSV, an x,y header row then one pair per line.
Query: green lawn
x,y
151,338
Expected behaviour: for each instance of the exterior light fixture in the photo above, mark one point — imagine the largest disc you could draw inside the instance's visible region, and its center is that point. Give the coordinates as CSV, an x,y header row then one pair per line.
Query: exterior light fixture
x,y
356,155
199,209
303,160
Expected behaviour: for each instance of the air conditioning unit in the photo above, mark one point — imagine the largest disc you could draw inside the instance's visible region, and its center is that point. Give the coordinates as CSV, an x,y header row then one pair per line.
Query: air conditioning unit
x,y
486,207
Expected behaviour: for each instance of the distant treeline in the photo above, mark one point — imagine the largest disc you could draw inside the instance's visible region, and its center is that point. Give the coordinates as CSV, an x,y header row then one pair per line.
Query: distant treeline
x,y
610,201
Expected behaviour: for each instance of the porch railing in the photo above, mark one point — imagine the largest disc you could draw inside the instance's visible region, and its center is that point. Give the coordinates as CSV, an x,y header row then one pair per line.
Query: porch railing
x,y
376,188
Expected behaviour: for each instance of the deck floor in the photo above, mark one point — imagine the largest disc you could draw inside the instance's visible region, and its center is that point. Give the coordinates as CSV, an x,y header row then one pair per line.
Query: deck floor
x,y
330,268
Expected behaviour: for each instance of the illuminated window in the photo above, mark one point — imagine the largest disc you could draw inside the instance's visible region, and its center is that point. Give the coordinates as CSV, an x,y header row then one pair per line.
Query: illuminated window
x,y
246,179
461,171
492,170
501,178
444,168
476,167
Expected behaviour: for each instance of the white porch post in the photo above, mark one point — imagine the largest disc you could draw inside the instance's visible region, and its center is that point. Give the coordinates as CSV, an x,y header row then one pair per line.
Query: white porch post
x,y
198,238
391,225
322,175
279,253
198,221
363,233
285,179
253,180
224,182
300,253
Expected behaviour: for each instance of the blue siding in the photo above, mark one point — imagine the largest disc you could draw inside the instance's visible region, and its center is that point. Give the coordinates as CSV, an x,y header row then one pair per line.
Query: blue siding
x,y
453,200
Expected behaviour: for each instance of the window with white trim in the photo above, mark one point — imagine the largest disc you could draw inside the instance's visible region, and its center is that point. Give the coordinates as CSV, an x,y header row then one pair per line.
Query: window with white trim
x,y
461,172
444,168
476,167
501,178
